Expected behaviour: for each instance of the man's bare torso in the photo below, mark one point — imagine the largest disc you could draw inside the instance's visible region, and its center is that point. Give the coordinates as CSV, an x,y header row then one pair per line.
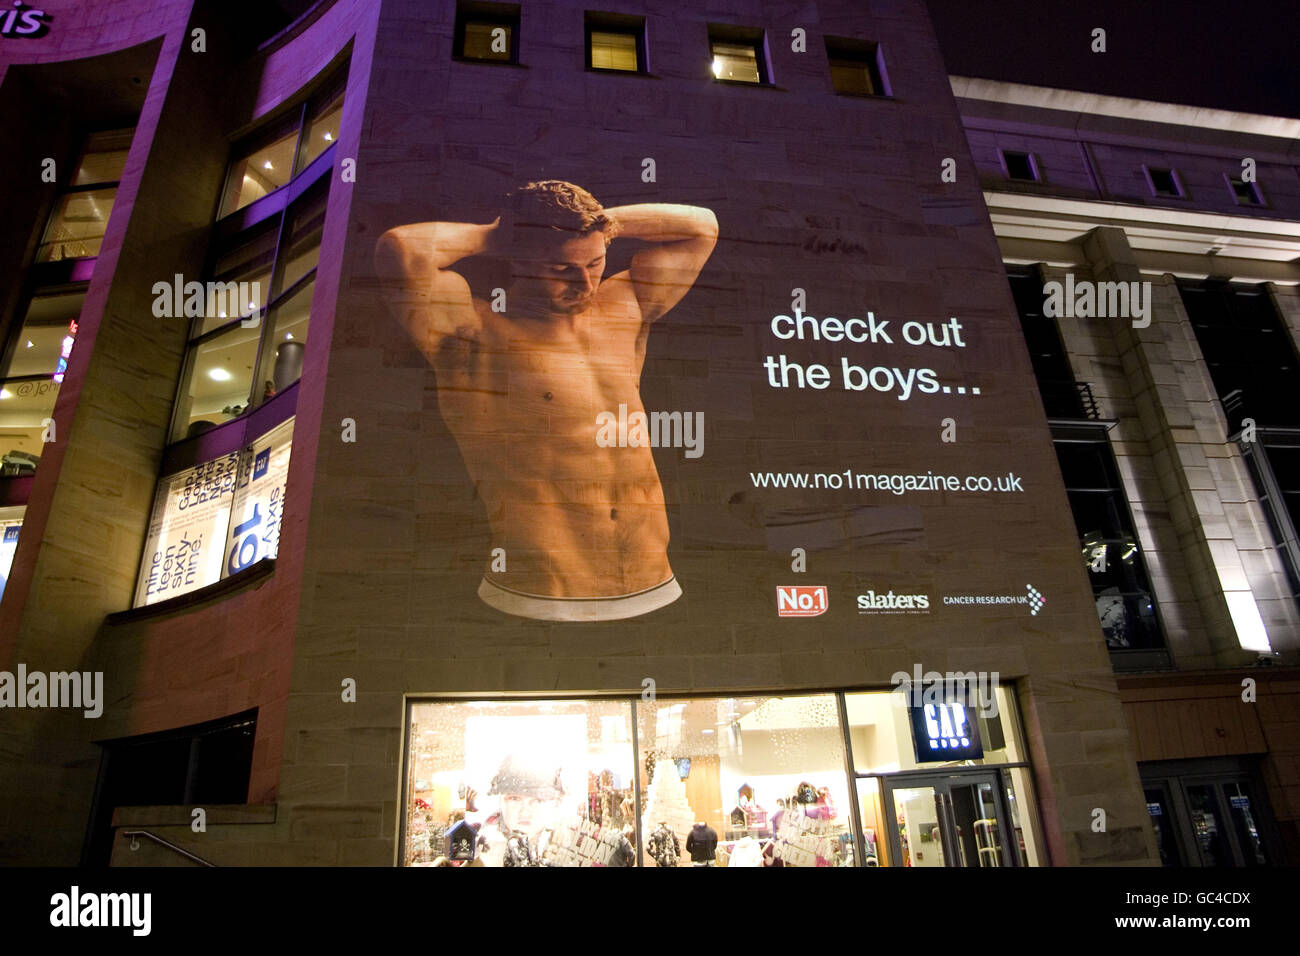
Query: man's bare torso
x,y
521,397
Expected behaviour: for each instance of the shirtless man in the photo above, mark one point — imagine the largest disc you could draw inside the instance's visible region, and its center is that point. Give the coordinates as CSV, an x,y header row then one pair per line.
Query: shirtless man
x,y
525,369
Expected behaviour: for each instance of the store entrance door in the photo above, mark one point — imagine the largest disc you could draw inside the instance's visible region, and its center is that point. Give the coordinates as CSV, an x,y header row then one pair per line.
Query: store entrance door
x,y
948,820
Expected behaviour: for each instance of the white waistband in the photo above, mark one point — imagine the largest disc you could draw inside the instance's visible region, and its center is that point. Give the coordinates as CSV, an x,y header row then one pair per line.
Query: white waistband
x,y
542,608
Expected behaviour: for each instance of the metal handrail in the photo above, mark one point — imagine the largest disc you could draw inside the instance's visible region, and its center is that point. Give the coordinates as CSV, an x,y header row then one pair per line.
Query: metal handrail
x,y
171,846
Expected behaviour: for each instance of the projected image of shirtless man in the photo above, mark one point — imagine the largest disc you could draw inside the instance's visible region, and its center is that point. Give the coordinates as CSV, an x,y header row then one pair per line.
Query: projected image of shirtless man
x,y
524,370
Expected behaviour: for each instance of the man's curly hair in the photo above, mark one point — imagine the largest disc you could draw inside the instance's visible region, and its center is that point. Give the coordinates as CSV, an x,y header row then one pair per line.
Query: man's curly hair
x,y
563,209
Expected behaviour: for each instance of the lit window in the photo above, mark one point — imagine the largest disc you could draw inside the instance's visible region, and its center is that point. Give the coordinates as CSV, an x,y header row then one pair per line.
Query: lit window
x,y
76,227
487,31
272,157
37,358
261,169
736,62
615,42
322,128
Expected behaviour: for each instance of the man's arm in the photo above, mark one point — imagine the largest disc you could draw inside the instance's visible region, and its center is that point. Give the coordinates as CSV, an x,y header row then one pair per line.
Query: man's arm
x,y
683,237
413,264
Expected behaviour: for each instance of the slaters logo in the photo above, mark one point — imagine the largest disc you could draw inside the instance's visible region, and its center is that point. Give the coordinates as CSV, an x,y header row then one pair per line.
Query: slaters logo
x,y
801,600
891,603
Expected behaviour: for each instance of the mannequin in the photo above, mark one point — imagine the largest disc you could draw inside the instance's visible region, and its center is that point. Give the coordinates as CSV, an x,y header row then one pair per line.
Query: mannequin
x,y
702,844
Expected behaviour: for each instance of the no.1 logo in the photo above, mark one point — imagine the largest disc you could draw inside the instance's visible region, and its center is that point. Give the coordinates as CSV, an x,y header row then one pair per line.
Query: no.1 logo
x,y
805,600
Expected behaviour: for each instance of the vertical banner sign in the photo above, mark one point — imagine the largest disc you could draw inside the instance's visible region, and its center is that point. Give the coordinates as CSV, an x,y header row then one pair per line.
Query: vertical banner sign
x,y
259,500
10,526
190,515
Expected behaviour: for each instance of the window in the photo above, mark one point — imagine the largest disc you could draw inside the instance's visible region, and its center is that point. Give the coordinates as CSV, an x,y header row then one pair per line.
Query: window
x,y
487,31
249,344
738,54
216,518
11,525
1019,166
967,811
1163,182
855,67
33,366
615,43
1108,542
747,780
203,764
269,159
1246,194
1247,350
80,217
1062,396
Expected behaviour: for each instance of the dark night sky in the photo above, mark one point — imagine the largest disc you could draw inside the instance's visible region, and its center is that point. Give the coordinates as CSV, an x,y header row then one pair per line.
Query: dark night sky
x,y
1216,53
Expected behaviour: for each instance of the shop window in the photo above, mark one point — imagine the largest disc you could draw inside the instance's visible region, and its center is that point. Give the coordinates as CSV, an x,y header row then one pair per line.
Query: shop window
x,y
1163,182
216,519
268,160
748,781
11,525
536,783
738,54
1020,166
35,361
80,217
487,32
615,43
855,67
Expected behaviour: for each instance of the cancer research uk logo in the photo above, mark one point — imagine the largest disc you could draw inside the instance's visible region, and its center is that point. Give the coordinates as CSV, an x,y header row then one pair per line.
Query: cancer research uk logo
x,y
803,600
1032,597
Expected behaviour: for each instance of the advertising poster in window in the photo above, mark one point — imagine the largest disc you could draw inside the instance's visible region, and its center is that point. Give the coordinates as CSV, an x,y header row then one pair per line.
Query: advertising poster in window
x,y
190,516
259,500
11,524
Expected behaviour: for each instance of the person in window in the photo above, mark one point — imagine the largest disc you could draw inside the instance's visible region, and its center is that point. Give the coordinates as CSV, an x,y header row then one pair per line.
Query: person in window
x,y
532,371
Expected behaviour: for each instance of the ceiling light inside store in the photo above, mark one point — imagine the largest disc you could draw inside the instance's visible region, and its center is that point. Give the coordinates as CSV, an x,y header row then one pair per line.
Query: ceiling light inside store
x,y
219,374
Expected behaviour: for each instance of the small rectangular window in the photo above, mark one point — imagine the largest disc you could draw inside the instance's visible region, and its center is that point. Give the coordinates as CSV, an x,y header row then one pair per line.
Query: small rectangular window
x,y
855,67
1246,194
615,42
738,55
487,31
1019,166
1163,182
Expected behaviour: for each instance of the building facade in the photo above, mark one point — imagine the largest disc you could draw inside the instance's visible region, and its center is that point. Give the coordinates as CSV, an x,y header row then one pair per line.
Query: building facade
x,y
547,435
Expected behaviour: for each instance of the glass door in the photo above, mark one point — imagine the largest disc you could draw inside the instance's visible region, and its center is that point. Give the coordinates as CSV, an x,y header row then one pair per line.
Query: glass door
x,y
949,820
